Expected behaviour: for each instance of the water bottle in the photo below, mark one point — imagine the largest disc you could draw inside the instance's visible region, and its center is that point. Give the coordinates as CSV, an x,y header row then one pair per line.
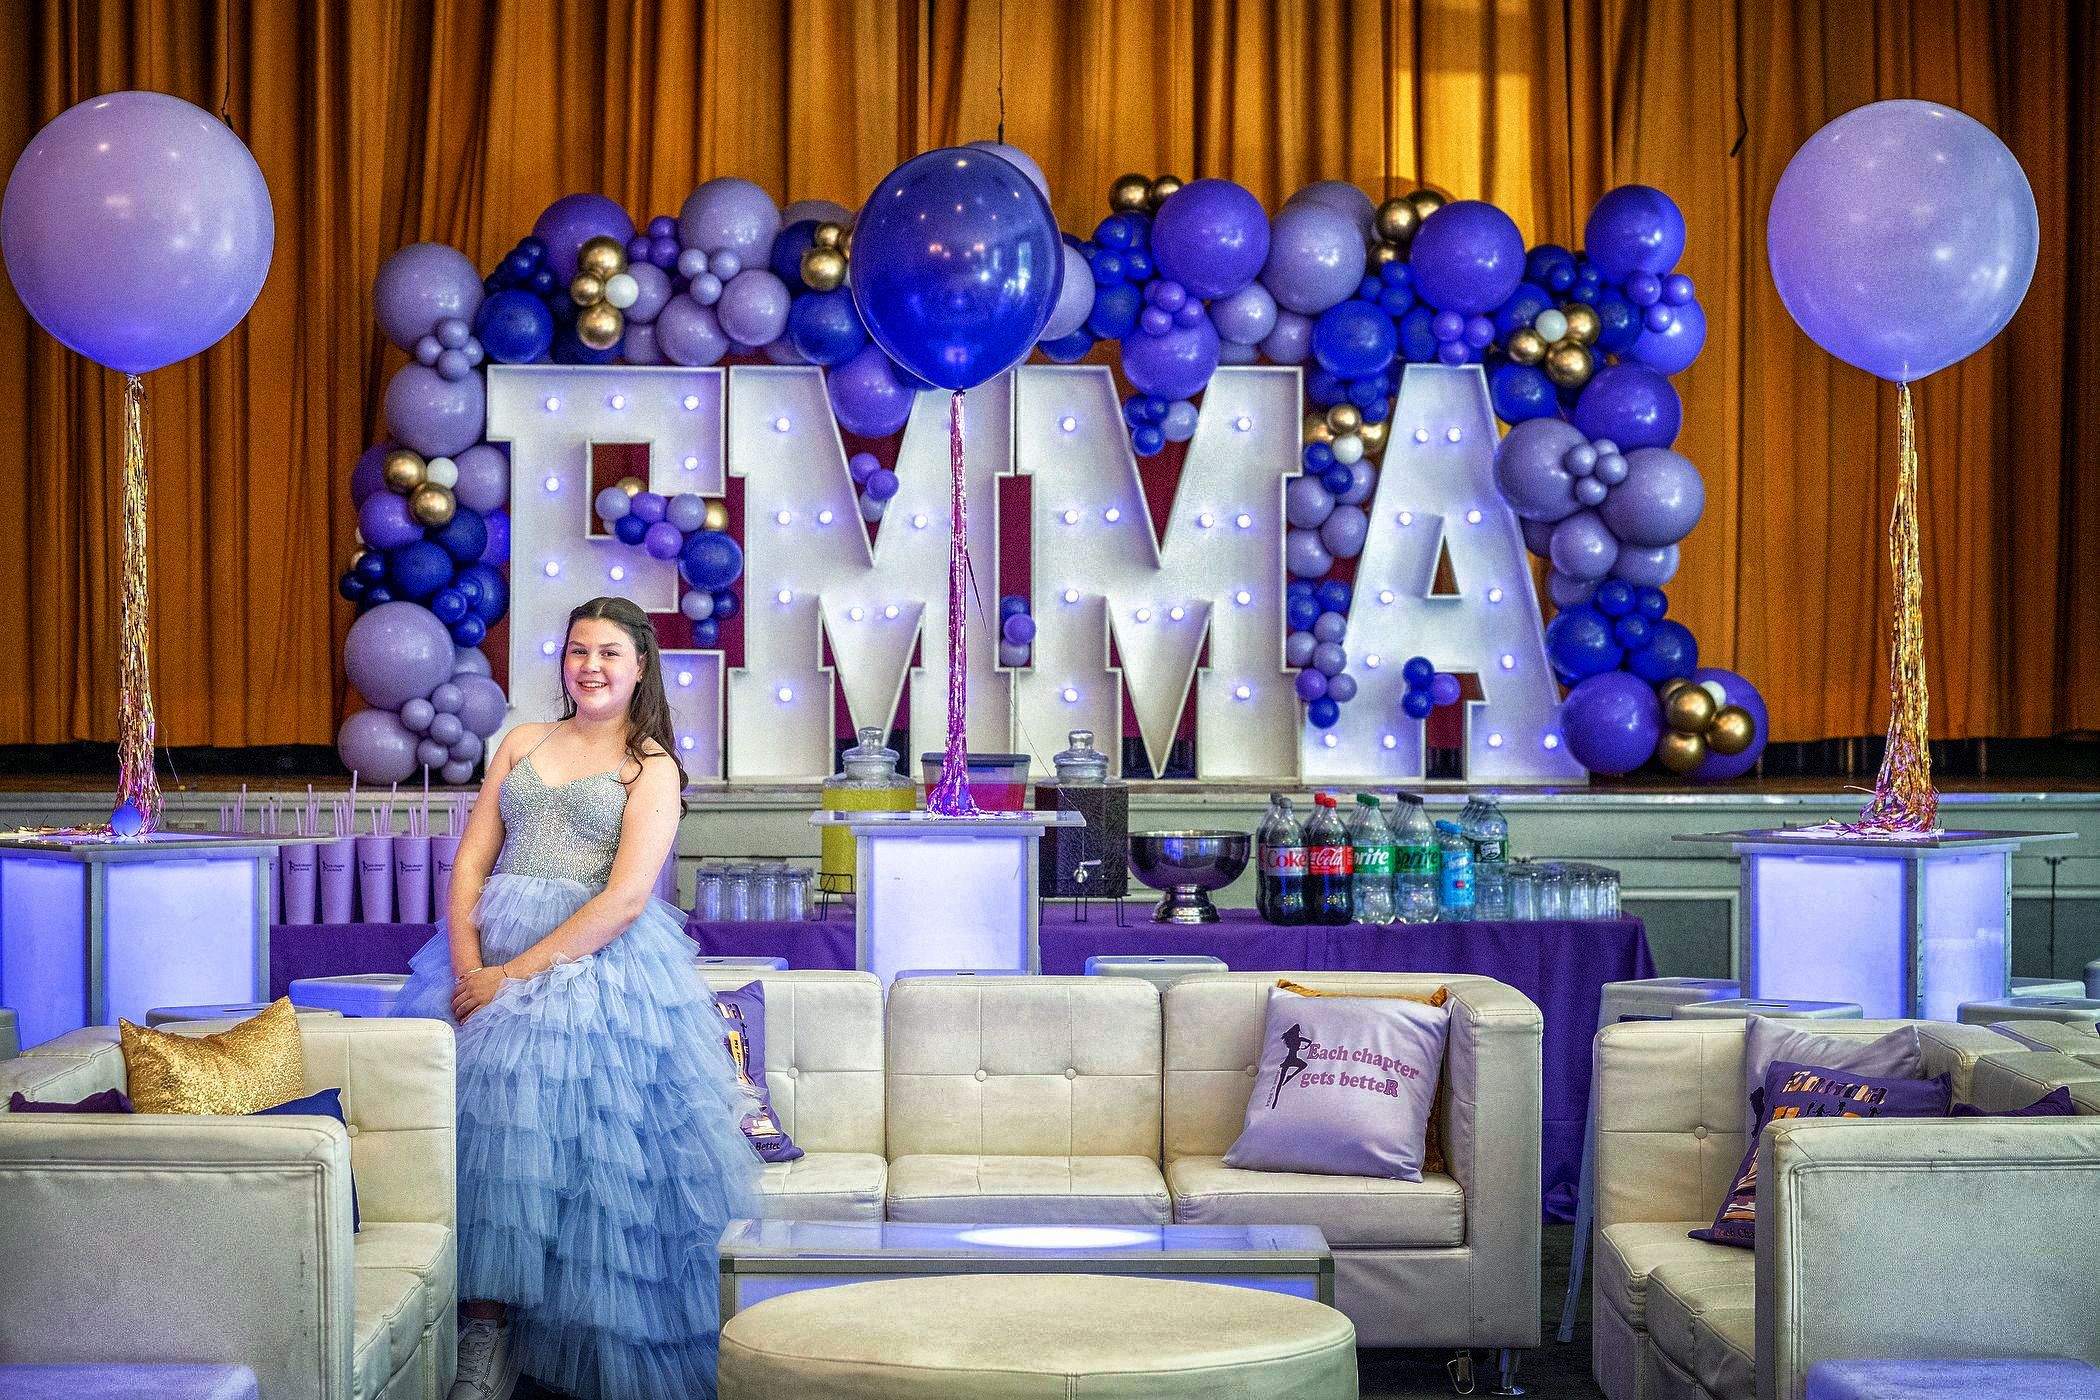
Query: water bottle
x,y
1490,837
1455,885
1279,885
1327,862
1371,850
1416,861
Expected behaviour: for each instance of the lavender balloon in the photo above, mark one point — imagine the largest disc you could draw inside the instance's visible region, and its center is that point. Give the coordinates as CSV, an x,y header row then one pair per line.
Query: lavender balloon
x,y
436,416
484,478
1329,659
482,704
1298,648
1311,683
1646,568
866,395
1017,158
137,229
468,661
397,652
1180,423
732,215
1568,592
1231,354
754,307
1176,365
1307,503
821,211
1363,479
1330,627
574,220
1538,536
376,746
1305,556
1345,531
1902,237
1246,317
1316,257
1659,502
1583,546
421,285
652,294
1531,468
689,334
1343,198
1290,343
1075,297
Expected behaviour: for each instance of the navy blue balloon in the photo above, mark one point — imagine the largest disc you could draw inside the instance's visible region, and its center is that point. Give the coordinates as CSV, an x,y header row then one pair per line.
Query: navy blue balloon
x,y
710,559
1298,588
706,632
514,327
788,247
1522,308
1337,479
1318,456
1650,603
464,537
630,529
956,265
1378,409
371,567
1354,340
1672,651
1323,713
727,605
1521,392
1332,596
1070,349
1418,336
491,597
351,586
470,631
1011,604
568,350
449,605
1581,644
1614,598
825,328
1301,612
1551,266
418,569
1416,704
1631,632
1365,392
373,598
1324,388
1115,311
1418,672
1618,323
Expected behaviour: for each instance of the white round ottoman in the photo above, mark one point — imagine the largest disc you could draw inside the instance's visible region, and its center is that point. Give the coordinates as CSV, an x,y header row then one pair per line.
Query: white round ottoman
x,y
1069,1336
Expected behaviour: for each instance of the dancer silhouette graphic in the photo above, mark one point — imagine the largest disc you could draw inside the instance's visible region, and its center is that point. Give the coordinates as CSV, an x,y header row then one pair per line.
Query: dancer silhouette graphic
x,y
1294,1042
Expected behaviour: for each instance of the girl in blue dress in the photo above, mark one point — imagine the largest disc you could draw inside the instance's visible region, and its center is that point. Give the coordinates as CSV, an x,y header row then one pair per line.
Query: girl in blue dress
x,y
599,1149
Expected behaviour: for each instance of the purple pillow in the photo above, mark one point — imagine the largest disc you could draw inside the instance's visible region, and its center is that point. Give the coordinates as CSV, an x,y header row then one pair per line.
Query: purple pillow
x,y
108,1101
743,1013
324,1103
1896,1055
1345,1086
2054,1104
1815,1091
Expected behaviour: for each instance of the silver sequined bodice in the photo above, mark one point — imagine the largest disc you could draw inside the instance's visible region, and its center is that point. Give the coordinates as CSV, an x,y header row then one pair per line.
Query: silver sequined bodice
x,y
569,832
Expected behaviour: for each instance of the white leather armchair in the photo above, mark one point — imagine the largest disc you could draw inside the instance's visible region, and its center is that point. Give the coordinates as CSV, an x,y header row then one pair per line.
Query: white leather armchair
x,y
161,1237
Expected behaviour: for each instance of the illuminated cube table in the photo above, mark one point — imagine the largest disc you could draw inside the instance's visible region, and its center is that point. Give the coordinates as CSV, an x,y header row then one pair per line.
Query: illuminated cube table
x,y
764,1259
946,892
1904,927
93,928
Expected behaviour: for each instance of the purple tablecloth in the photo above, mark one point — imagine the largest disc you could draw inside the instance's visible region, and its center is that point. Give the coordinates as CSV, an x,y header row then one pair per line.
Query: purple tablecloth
x,y
1560,966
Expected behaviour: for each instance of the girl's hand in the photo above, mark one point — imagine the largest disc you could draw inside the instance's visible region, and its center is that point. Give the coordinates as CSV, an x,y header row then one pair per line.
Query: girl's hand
x,y
476,990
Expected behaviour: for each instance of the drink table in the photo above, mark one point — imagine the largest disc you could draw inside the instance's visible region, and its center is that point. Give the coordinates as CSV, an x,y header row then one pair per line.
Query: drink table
x,y
1904,926
767,1258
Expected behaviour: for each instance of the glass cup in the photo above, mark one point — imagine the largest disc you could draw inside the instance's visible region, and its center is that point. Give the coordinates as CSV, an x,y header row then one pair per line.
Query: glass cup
x,y
1553,891
736,894
766,894
796,901
1523,890
707,895
1608,901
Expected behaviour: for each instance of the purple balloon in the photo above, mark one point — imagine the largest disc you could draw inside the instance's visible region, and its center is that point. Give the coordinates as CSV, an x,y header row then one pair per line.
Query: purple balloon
x,y
1672,351
1631,405
1719,767
1330,627
1211,236
866,395
574,220
1298,648
438,417
1468,257
1019,629
1231,354
1341,688
137,229
1646,568
728,214
421,285
385,522
1659,501
663,540
1902,237
1329,659
376,746
686,512
638,345
469,661
1343,198
652,294
1075,298
1307,502
1612,721
1538,536
1017,158
1634,229
1176,365
1246,317
1443,689
497,550
754,307
397,652
1312,682
1583,546
1316,257
1291,342
1568,592
484,478
1531,470
482,704
1305,556
1344,532
689,334
1363,479
432,753
367,476
466,748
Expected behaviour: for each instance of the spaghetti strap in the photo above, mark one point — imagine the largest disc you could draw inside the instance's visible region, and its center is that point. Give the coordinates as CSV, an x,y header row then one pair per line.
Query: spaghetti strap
x,y
542,742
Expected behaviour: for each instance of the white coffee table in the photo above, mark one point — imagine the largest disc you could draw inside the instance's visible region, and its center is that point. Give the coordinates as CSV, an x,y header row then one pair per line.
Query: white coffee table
x,y
767,1258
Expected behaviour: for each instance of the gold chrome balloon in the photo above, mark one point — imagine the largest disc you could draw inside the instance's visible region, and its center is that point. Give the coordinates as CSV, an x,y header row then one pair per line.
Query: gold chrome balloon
x,y
1345,418
1732,730
846,241
1316,429
587,289
1383,253
1525,347
1426,202
1396,221
1690,710
823,269
1680,752
1670,687
357,556
717,517
1374,436
632,485
432,504
402,471
1570,366
1128,194
827,235
600,326
1161,188
602,257
1583,324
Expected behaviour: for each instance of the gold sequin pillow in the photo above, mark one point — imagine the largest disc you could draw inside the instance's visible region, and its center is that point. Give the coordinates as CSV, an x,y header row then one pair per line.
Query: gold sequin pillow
x,y
255,1065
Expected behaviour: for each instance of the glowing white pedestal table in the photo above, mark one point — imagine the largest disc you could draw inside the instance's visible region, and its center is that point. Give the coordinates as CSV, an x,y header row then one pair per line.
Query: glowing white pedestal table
x,y
1905,928
93,928
956,892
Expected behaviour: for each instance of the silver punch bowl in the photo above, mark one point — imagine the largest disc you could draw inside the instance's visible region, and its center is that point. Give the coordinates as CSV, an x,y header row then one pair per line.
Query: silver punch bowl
x,y
1187,865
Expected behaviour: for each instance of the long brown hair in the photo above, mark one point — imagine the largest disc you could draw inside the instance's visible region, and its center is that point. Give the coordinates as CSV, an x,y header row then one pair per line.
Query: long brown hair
x,y
648,709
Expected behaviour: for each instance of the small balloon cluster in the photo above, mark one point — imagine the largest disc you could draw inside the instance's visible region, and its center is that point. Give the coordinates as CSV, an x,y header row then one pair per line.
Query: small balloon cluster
x,y
431,703
1700,720
1621,626
876,484
435,531
1319,618
602,289
1705,723
1427,688
1016,630
690,529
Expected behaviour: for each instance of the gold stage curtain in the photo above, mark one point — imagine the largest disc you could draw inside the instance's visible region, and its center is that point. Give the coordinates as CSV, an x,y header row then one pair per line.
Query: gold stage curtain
x,y
381,122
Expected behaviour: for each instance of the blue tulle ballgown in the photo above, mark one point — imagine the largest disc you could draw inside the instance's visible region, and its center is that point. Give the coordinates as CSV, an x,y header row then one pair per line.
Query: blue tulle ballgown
x,y
599,1147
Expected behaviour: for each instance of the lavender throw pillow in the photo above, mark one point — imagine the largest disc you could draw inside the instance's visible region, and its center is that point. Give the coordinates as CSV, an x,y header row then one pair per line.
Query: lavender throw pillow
x,y
743,1013
1344,1088
108,1101
1892,1056
2054,1104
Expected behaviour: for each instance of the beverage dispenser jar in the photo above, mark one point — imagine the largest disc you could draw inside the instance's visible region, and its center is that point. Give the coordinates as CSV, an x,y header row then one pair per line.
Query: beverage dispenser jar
x,y
1093,860
870,782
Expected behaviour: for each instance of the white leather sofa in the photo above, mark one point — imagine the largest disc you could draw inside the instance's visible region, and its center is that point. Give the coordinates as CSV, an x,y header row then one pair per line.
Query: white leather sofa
x,y
1673,1318
159,1237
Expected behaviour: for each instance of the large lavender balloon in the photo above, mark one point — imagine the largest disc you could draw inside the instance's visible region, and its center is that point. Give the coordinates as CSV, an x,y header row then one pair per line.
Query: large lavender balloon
x,y
377,746
396,653
866,396
1316,257
421,285
137,229
436,416
1343,198
730,215
1583,546
1659,501
688,334
1075,297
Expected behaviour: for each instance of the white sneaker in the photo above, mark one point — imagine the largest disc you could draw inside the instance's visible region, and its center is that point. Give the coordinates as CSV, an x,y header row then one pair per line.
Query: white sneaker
x,y
487,1370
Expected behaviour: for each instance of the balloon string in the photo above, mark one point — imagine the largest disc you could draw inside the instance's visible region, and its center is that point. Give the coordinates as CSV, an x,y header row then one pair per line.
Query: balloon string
x,y
951,795
137,783
1904,801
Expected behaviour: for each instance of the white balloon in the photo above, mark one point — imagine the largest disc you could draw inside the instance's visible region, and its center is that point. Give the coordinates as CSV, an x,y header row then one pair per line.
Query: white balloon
x,y
1551,325
441,471
1717,690
622,290
1348,449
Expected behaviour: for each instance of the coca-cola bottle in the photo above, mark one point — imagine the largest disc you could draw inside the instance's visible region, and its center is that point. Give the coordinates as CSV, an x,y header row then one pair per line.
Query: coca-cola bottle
x,y
1279,884
1328,866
